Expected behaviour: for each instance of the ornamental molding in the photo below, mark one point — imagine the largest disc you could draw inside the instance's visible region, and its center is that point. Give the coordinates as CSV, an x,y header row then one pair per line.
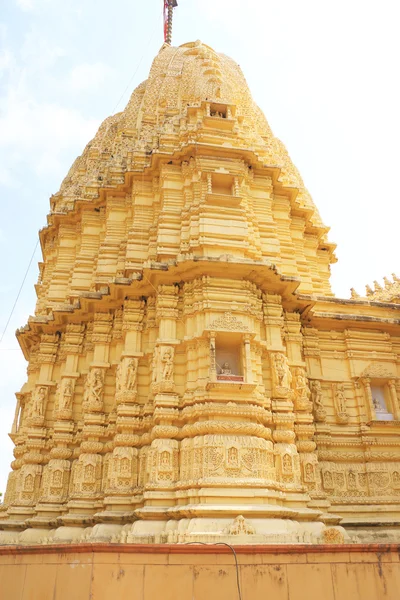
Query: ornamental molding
x,y
378,371
228,322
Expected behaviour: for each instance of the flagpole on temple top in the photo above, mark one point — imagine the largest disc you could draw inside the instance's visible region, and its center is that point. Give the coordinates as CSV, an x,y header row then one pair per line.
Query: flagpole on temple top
x,y
169,6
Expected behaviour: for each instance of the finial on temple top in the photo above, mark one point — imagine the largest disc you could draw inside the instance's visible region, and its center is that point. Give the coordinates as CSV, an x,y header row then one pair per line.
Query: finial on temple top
x,y
169,6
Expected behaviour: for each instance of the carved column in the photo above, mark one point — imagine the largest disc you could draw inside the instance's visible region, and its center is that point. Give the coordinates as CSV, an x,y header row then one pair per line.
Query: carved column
x,y
122,479
273,320
17,414
213,360
30,474
366,382
394,398
247,359
56,474
164,450
87,470
286,456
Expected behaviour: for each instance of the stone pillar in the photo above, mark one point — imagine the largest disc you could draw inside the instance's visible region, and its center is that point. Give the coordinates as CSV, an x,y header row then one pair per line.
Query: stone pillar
x,y
87,470
247,359
30,474
366,382
122,478
394,399
273,320
17,414
164,450
213,360
56,474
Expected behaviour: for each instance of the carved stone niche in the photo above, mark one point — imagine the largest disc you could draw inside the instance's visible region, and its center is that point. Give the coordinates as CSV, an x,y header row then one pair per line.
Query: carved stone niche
x,y
126,380
219,115
281,375
230,351
380,391
223,189
162,369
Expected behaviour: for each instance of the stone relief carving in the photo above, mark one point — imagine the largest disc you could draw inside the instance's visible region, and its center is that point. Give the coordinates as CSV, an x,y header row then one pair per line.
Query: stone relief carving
x,y
316,398
378,371
240,527
55,481
228,322
340,403
39,400
282,376
87,476
167,364
93,394
126,379
37,405
65,393
301,393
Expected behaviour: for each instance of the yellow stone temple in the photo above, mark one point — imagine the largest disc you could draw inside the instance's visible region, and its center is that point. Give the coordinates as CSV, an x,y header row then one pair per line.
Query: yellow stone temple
x,y
191,375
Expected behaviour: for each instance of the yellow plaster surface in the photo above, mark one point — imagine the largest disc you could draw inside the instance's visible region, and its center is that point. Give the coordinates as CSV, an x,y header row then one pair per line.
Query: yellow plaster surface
x,y
371,576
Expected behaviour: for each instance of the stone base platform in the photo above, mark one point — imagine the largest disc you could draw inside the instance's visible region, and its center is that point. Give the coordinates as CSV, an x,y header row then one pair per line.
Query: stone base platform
x,y
195,572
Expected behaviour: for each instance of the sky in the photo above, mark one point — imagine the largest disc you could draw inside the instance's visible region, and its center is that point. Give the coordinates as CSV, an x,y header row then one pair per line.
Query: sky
x,y
325,74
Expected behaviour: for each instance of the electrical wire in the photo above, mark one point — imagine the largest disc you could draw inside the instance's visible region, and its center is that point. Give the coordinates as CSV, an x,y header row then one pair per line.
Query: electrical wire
x,y
233,552
19,292
37,243
138,66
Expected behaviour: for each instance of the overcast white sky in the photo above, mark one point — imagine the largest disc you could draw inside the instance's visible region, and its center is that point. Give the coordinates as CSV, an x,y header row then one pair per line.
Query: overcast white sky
x,y
326,74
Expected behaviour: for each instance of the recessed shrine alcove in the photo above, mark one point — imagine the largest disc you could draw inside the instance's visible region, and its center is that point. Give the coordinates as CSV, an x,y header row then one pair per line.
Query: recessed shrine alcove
x,y
223,184
229,357
381,402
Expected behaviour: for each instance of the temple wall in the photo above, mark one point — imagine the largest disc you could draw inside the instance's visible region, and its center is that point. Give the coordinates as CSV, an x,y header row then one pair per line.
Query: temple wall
x,y
187,573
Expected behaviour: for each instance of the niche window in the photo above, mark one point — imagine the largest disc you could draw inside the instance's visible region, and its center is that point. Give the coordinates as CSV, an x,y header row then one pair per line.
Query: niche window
x,y
218,110
229,358
381,402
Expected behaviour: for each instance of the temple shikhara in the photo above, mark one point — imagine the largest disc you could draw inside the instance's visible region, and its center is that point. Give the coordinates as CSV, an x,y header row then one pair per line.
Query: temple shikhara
x,y
191,375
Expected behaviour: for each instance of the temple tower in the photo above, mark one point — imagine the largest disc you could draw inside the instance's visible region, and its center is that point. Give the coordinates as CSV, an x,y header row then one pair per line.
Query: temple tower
x,y
185,356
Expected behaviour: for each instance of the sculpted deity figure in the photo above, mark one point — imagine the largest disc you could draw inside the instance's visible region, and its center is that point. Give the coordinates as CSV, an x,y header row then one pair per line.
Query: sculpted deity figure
x,y
126,375
302,391
168,364
38,402
66,395
316,396
340,403
131,374
282,371
226,369
94,389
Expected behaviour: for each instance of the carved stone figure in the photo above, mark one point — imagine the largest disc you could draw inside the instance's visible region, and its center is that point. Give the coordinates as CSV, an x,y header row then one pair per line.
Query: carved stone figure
x,y
168,364
131,374
316,397
226,369
283,377
340,403
39,400
240,527
126,375
66,395
301,390
94,390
